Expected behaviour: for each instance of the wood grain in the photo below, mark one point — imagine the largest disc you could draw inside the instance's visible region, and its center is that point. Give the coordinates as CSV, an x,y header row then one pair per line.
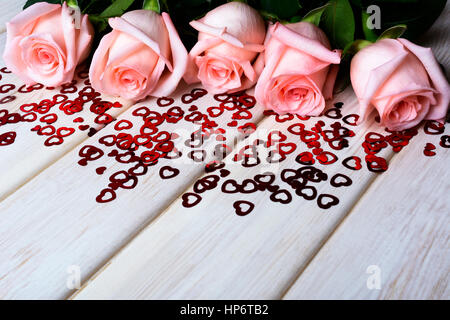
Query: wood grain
x,y
7,79
145,244
211,253
64,224
401,225
208,252
28,155
8,10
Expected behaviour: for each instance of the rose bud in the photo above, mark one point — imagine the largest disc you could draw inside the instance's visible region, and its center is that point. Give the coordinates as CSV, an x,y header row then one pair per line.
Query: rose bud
x,y
143,55
45,45
297,77
402,81
229,39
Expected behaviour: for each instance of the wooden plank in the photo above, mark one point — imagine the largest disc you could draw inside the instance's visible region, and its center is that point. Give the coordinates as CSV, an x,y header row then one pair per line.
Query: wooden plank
x,y
8,10
177,245
29,129
400,227
209,252
9,83
28,155
58,211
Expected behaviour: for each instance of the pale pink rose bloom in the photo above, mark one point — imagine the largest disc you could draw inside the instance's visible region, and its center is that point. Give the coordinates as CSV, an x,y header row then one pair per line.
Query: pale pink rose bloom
x,y
402,81
142,56
229,40
44,45
300,70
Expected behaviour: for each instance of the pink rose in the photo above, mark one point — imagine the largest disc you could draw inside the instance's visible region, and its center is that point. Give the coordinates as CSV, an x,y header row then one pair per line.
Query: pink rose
x,y
142,56
402,80
44,45
229,39
297,77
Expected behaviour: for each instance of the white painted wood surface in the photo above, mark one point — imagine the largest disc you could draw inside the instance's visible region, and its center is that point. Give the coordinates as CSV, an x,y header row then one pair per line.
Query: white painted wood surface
x,y
9,10
28,155
78,230
8,79
152,247
208,252
400,227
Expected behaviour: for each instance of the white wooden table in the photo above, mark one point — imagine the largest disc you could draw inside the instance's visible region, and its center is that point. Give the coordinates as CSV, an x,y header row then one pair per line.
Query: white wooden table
x,y
82,204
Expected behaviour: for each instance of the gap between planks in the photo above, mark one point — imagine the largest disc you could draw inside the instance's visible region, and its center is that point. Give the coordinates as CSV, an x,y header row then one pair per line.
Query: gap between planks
x,y
151,220
170,204
82,140
337,226
162,214
393,285
435,37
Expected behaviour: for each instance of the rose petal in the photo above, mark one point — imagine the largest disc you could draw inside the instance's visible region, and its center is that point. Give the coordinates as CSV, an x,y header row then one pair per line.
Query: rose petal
x,y
168,82
217,32
99,60
247,83
237,22
277,50
20,24
190,75
68,29
49,79
425,55
85,38
302,43
375,79
328,87
126,27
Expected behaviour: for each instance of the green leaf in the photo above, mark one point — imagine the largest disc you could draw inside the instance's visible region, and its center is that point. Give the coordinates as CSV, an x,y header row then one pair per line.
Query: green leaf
x,y
152,5
72,3
369,34
31,2
100,23
353,47
269,16
343,78
295,19
393,32
314,15
116,9
284,9
338,23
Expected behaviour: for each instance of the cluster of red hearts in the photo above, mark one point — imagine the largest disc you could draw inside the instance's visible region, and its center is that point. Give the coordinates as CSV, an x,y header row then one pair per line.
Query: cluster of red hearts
x,y
294,153
292,66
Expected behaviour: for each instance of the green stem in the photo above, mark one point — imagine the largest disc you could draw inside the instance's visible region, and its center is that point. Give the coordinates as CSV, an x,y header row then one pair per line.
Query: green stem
x,y
352,48
72,3
152,5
